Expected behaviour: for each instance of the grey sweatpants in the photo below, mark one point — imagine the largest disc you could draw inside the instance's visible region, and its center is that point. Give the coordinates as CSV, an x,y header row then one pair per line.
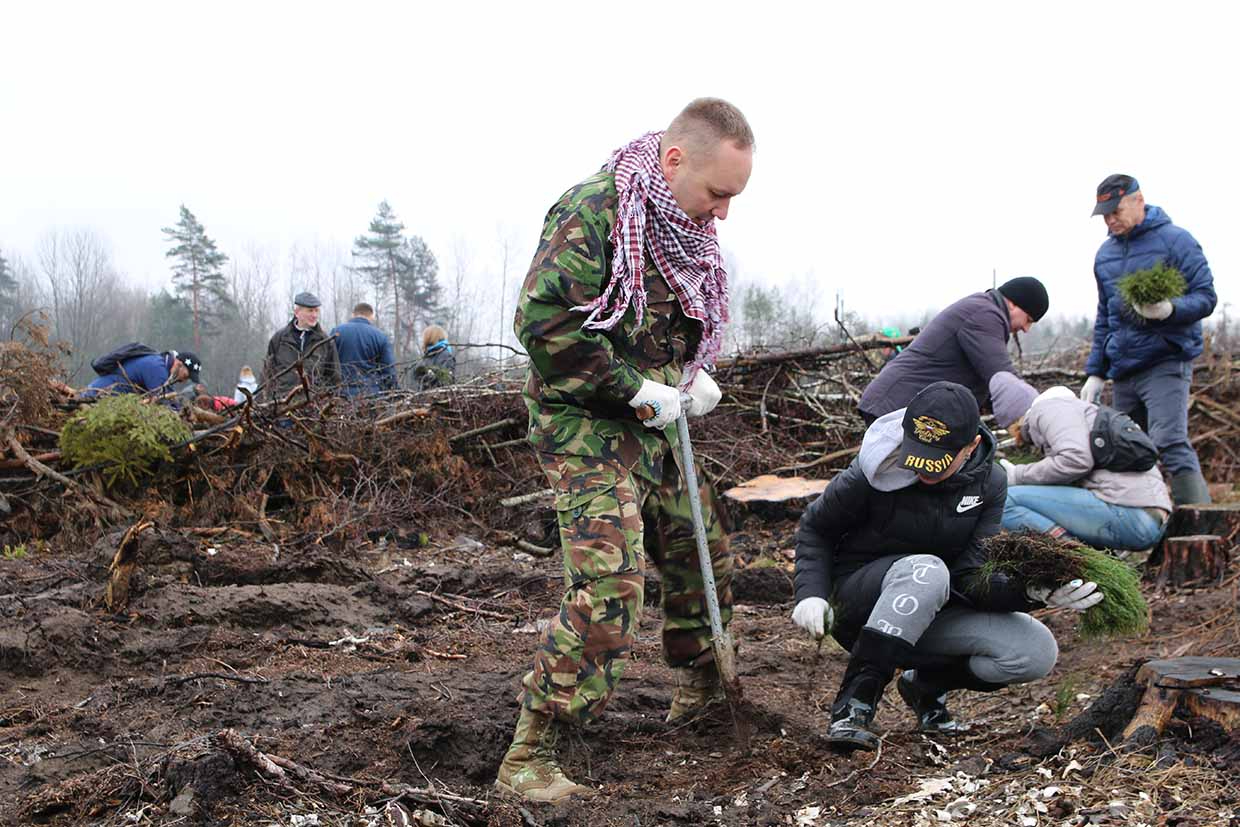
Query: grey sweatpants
x,y
1002,647
1157,398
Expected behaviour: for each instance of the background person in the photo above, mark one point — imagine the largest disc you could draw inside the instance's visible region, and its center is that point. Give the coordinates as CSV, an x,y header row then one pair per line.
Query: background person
x,y
966,344
437,367
367,364
300,340
145,373
1064,493
1148,350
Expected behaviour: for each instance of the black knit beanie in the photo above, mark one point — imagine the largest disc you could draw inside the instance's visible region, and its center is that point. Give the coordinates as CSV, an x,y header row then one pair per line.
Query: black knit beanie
x,y
1028,294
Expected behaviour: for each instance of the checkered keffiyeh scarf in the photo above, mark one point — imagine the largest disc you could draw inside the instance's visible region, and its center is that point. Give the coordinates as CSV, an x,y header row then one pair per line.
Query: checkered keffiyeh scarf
x,y
685,253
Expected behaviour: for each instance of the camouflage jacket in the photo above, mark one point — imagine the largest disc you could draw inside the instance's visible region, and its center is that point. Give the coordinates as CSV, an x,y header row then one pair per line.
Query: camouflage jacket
x,y
580,379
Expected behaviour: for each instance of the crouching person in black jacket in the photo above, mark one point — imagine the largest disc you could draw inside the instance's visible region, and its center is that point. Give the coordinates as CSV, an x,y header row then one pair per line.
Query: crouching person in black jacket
x,y
894,544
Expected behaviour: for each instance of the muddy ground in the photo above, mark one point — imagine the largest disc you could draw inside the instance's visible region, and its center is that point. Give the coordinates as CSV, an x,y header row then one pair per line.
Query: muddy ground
x,y
403,665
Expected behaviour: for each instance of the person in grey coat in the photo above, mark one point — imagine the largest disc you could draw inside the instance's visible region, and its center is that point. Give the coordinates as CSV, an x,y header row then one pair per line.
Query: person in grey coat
x,y
965,344
1063,493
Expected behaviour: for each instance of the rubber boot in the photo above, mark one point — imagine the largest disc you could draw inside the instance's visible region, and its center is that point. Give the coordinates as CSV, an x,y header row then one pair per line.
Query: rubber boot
x,y
1189,488
852,713
697,687
531,768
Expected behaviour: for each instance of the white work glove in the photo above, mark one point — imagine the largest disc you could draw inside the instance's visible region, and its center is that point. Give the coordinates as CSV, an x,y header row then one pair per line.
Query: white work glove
x,y
704,395
1009,469
1092,391
1077,595
814,615
1156,311
663,399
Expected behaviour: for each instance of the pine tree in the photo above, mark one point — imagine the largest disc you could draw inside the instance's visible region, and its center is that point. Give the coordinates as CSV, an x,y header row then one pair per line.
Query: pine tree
x,y
382,252
198,273
172,320
420,284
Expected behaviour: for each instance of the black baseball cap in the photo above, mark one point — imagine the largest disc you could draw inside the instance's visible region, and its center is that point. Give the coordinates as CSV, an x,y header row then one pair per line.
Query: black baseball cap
x,y
940,421
1111,190
191,361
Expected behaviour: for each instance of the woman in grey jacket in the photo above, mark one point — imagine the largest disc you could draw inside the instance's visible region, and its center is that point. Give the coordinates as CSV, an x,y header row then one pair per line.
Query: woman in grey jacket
x,y
1063,493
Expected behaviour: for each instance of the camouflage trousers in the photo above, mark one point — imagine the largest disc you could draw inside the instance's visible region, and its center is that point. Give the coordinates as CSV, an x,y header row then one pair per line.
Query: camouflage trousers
x,y
610,521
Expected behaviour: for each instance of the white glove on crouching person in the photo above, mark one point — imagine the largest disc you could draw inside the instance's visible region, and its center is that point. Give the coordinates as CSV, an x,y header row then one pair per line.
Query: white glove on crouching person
x,y
1092,391
662,399
1156,311
1077,595
704,395
814,615
1009,469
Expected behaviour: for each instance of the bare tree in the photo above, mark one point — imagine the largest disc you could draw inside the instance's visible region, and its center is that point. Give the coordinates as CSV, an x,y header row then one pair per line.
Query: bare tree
x,y
82,284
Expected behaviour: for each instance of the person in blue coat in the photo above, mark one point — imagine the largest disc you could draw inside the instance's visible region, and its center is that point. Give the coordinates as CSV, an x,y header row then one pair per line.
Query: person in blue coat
x,y
1148,350
367,364
149,372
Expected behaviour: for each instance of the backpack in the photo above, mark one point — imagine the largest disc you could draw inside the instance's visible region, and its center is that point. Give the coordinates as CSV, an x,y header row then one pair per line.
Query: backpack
x,y
1119,444
110,363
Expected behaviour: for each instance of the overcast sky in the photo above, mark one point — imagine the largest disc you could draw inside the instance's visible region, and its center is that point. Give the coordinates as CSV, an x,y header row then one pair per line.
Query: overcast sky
x,y
904,149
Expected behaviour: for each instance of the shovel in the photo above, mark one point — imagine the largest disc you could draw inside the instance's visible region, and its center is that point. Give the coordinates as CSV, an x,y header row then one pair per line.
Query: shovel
x,y
721,638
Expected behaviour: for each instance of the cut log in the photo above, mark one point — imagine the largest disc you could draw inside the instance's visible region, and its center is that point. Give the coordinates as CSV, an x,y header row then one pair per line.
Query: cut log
x,y
1221,519
772,497
1199,559
1196,682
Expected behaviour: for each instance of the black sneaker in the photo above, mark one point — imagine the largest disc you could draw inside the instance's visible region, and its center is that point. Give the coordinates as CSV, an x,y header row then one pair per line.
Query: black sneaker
x,y
929,705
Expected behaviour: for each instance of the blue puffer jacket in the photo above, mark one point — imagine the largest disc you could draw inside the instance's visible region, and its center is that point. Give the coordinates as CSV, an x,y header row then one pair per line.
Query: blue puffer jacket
x,y
138,375
367,364
1124,342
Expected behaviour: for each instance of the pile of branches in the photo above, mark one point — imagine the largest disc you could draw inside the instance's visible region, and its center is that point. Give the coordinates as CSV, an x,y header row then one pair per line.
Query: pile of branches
x,y
315,467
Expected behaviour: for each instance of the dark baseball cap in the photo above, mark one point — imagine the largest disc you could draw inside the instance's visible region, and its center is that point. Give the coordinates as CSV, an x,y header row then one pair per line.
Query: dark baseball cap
x,y
191,361
1111,190
940,421
306,299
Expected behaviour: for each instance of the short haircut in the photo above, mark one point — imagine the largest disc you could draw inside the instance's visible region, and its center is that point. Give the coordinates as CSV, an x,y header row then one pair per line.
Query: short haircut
x,y
705,122
363,309
432,334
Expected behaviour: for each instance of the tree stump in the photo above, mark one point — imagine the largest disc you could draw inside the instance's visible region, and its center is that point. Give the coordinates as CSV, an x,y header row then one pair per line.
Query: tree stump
x,y
1221,519
1199,559
1200,685
116,593
773,498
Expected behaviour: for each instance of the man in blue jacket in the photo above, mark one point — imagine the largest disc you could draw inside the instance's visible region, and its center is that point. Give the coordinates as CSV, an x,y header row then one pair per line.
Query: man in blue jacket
x,y
1148,349
148,372
367,364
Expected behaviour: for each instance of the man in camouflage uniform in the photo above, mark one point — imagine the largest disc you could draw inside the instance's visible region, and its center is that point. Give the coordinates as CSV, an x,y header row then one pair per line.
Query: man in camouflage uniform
x,y
604,338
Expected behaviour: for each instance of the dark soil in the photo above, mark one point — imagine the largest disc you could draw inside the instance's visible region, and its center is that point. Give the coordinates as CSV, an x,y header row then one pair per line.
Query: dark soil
x,y
404,665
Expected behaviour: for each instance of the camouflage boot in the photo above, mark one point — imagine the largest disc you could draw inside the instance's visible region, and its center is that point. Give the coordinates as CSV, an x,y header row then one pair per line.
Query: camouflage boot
x,y
697,687
530,768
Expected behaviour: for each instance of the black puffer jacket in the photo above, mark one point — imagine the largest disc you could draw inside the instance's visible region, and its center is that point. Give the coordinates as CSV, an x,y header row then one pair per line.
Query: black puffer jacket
x,y
854,522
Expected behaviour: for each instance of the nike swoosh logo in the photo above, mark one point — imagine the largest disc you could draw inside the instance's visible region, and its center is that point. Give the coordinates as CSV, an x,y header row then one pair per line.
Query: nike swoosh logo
x,y
963,507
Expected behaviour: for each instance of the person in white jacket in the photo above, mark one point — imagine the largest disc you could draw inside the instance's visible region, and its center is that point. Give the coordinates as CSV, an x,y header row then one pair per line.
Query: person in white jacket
x,y
245,380
1064,493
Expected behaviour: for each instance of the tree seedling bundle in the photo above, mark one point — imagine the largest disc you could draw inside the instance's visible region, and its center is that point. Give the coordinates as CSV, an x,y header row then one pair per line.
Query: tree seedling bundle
x,y
1161,282
1049,562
